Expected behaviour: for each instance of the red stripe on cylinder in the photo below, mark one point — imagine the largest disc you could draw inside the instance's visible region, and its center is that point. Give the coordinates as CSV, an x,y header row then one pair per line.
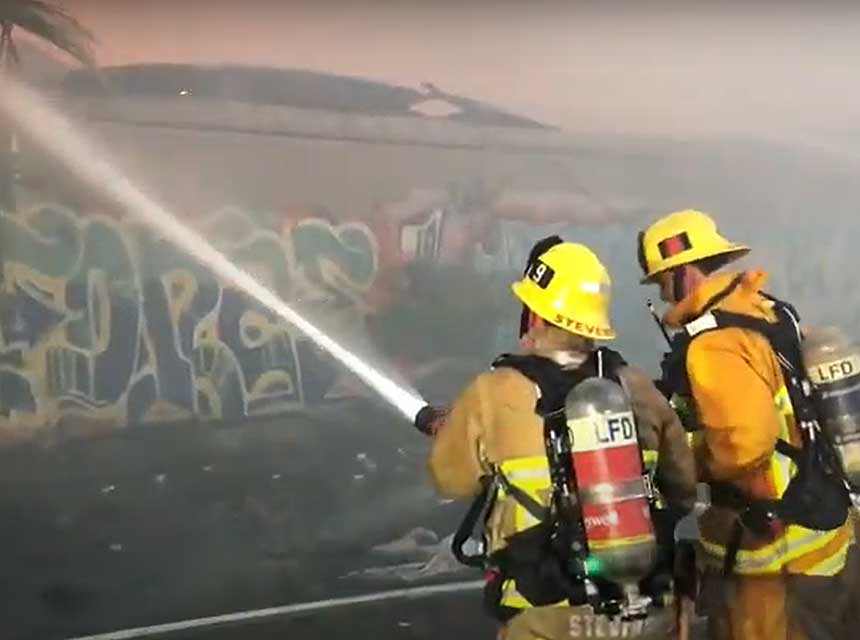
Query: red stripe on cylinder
x,y
615,464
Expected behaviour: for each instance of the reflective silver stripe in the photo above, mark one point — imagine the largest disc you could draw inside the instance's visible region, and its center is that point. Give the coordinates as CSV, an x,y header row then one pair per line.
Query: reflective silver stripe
x,y
526,474
704,322
782,467
607,493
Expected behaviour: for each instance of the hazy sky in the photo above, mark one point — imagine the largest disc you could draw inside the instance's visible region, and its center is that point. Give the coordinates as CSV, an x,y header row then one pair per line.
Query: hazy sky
x,y
776,68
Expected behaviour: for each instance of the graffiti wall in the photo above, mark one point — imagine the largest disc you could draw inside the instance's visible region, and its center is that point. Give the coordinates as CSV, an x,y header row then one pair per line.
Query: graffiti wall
x,y
103,323
106,321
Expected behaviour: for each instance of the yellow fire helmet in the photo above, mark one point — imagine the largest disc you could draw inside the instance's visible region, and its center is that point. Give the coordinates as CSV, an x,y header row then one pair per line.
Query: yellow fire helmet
x,y
681,238
569,287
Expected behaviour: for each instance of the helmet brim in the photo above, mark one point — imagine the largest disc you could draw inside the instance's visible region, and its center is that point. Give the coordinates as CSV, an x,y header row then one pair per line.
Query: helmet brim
x,y
731,254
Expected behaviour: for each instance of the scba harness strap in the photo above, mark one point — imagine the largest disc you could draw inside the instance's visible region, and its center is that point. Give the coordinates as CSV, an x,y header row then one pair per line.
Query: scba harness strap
x,y
547,560
535,558
817,495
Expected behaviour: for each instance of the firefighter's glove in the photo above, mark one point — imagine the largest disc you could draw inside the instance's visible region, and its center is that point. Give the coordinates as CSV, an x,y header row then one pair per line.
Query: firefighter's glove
x,y
429,419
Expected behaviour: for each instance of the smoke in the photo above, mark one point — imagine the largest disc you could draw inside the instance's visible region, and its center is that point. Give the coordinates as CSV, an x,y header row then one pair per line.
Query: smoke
x,y
59,138
678,68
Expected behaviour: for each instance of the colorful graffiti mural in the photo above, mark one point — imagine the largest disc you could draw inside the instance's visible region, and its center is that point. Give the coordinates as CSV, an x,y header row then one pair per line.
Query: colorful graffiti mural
x,y
105,320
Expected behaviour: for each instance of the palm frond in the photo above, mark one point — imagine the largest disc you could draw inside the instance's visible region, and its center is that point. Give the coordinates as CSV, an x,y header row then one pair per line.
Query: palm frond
x,y
51,23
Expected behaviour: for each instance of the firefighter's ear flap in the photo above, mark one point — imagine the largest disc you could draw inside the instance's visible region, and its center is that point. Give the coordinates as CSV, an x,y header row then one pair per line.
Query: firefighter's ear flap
x,y
640,252
524,321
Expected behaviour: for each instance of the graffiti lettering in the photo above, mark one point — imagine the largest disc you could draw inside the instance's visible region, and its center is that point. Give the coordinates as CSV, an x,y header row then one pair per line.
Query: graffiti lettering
x,y
100,319
107,321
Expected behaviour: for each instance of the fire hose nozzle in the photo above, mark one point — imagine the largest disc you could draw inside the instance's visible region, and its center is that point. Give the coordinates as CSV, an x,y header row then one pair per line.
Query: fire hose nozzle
x,y
429,419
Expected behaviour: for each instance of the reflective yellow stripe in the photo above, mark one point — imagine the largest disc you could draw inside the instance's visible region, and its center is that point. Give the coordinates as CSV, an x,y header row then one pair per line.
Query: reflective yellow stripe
x,y
783,467
511,597
781,471
650,457
782,401
514,599
531,474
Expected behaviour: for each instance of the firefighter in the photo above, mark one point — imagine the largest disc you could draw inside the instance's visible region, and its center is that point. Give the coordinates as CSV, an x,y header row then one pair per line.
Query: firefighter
x,y
492,442
774,541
